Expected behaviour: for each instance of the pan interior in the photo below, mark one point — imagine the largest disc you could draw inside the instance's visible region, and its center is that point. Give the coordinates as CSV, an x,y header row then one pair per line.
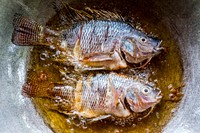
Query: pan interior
x,y
164,70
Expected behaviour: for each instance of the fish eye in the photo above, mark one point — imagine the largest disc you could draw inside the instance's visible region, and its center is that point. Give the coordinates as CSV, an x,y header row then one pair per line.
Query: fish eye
x,y
146,91
143,39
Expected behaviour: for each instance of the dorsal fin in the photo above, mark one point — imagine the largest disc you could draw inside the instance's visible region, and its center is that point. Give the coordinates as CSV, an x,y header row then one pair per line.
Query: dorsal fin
x,y
69,15
104,15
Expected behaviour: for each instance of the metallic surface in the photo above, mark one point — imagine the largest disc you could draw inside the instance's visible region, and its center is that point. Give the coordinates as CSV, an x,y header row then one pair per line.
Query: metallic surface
x,y
17,114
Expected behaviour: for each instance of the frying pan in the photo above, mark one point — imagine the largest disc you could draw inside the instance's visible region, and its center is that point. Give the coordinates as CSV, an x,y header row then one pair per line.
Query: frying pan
x,y
17,114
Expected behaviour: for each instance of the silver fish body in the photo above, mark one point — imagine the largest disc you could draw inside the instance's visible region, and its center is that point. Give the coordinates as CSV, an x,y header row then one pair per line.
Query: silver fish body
x,y
105,36
99,36
105,94
95,44
102,44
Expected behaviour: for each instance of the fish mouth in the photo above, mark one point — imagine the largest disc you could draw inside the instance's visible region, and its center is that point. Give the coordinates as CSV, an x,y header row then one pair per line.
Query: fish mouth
x,y
158,49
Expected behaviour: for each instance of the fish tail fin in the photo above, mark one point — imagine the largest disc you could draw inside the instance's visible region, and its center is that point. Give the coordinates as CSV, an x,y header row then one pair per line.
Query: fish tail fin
x,y
29,90
26,32
35,90
29,33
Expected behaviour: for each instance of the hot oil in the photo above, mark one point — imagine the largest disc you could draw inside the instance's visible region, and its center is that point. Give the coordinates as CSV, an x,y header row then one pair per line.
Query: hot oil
x,y
164,70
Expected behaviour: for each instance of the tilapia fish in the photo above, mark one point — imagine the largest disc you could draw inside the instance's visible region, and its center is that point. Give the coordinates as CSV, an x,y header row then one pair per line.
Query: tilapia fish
x,y
100,96
89,39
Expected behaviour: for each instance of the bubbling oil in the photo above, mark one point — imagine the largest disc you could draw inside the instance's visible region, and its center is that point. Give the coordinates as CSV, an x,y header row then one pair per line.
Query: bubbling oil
x,y
164,71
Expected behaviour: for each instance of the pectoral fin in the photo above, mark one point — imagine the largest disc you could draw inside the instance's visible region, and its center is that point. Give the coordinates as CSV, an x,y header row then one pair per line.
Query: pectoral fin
x,y
114,92
102,117
110,61
98,57
121,98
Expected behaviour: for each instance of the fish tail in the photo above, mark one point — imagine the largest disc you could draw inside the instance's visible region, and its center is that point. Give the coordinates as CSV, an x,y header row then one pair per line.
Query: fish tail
x,y
27,90
30,89
35,90
29,33
26,32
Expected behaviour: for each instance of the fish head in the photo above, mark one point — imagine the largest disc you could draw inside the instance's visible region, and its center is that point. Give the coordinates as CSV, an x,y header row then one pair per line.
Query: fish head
x,y
138,47
142,96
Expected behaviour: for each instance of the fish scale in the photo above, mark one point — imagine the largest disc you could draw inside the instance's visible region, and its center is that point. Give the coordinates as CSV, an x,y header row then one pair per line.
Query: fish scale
x,y
93,33
66,92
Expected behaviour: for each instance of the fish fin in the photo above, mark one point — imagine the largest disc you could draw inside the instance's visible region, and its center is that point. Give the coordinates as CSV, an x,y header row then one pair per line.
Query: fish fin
x,y
93,68
112,61
114,92
102,117
98,57
29,33
61,107
30,89
69,15
37,84
26,32
121,98
104,15
78,95
77,50
27,90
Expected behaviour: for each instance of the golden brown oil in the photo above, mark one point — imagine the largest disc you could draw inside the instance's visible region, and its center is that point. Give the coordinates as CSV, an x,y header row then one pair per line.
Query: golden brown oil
x,y
165,70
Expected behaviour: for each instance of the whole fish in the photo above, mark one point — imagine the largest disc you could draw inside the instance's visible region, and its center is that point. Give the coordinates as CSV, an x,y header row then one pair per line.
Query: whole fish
x,y
100,96
91,40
